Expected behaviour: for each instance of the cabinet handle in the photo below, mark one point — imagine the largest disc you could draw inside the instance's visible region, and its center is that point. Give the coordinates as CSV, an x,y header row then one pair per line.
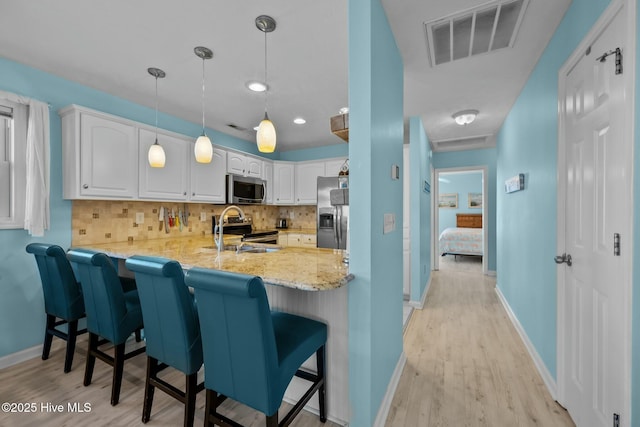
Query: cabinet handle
x,y
85,186
193,194
184,194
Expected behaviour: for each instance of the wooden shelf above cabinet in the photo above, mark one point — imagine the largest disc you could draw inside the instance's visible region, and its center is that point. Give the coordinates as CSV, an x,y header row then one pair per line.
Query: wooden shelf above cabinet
x,y
340,126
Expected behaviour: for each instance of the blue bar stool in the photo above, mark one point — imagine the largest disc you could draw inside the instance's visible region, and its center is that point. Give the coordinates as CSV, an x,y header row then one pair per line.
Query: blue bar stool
x,y
171,330
62,298
111,314
250,353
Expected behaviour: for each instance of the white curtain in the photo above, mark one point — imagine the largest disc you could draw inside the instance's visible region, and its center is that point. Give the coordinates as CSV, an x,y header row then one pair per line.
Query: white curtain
x,y
36,215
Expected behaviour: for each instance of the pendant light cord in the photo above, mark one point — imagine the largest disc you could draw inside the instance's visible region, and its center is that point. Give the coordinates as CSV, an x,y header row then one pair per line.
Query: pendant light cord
x,y
156,109
203,96
265,74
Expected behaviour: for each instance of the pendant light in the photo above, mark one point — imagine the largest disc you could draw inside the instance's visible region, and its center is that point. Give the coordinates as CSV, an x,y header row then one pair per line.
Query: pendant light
x,y
203,149
266,135
156,155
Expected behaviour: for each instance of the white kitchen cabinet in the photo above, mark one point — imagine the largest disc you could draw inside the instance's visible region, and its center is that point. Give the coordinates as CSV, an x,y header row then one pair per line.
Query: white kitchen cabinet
x,y
171,181
306,183
283,239
283,183
332,167
100,155
300,240
239,164
208,180
267,175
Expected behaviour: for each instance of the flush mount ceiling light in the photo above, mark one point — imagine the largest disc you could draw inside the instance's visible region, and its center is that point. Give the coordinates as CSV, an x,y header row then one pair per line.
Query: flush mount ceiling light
x,y
256,86
266,135
465,117
203,149
299,121
156,154
344,110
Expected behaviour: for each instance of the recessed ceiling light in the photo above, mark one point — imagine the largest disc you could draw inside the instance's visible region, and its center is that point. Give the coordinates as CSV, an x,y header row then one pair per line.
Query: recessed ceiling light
x,y
344,110
299,121
465,117
256,86
255,128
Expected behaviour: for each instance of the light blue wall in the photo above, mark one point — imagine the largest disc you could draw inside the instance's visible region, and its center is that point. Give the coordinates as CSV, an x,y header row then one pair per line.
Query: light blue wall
x,y
337,150
375,144
21,305
461,184
472,158
420,206
528,143
635,321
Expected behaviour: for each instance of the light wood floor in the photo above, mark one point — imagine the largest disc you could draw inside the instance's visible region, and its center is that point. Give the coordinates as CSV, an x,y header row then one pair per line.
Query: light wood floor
x,y
41,381
466,364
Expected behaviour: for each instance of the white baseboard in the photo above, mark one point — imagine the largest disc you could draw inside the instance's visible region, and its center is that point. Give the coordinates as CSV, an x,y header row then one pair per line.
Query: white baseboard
x,y
420,304
385,405
20,356
548,379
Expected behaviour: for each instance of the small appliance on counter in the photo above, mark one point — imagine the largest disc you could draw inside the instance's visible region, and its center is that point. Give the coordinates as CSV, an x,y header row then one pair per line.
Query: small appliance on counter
x,y
282,223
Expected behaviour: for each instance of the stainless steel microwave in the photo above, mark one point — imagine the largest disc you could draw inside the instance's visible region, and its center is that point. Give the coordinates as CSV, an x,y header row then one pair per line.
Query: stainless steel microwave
x,y
244,190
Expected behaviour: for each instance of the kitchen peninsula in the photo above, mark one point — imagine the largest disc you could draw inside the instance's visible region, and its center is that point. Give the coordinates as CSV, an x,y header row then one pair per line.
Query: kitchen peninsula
x,y
305,281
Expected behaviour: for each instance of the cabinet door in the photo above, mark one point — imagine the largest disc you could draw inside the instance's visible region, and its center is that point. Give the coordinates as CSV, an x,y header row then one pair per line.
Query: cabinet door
x,y
208,180
253,167
308,240
267,175
283,184
169,182
108,158
283,239
235,163
332,167
294,239
307,182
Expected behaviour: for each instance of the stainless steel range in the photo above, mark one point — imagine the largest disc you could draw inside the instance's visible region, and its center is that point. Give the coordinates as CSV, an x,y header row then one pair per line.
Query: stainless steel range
x,y
239,227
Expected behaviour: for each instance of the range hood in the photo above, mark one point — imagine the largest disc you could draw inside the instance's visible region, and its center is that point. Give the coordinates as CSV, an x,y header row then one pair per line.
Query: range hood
x,y
340,126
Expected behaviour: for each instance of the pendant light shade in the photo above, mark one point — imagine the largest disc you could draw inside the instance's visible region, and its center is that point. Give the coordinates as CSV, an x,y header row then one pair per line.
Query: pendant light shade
x,y
203,149
156,154
266,135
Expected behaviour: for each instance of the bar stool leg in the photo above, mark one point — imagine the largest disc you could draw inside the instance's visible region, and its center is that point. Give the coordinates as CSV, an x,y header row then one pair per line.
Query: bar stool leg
x,y
118,368
48,336
72,333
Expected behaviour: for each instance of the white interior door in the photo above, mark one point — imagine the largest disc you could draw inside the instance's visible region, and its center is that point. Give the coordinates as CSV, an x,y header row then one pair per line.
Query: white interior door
x,y
592,307
406,223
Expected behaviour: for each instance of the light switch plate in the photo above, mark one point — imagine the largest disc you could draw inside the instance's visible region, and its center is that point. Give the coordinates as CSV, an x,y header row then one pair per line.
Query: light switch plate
x,y
139,217
389,223
203,216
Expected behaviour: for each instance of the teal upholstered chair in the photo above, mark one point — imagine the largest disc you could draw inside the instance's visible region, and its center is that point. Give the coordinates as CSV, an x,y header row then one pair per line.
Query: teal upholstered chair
x,y
250,353
171,330
62,298
112,313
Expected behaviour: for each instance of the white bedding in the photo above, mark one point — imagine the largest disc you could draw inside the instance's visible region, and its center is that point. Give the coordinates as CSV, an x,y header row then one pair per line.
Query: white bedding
x,y
461,241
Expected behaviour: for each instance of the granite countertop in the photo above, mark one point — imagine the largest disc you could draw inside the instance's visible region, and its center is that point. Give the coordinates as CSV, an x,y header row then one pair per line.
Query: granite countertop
x,y
309,269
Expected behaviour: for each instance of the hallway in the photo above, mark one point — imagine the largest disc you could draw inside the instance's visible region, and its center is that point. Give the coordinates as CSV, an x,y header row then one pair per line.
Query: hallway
x,y
466,364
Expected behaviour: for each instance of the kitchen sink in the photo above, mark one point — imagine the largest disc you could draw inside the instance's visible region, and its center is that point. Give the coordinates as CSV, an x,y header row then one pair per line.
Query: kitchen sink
x,y
246,249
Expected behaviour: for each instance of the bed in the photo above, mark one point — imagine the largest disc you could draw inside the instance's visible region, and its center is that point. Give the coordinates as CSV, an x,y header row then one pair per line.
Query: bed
x,y
465,239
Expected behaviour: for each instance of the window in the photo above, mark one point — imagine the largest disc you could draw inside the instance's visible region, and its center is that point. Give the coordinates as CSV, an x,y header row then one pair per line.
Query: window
x,y
13,164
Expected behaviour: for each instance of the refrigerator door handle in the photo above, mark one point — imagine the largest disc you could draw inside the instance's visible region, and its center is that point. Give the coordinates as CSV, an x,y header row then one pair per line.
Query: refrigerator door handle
x,y
338,225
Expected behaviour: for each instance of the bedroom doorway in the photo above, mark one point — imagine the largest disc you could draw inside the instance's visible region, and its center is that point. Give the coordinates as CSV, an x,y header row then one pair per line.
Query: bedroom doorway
x,y
459,201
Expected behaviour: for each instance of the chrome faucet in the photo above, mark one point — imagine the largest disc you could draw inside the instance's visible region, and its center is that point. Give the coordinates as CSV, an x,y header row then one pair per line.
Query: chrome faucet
x,y
219,241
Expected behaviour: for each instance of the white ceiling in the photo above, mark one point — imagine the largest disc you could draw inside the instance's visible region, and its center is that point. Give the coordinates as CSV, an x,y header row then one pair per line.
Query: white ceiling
x,y
109,46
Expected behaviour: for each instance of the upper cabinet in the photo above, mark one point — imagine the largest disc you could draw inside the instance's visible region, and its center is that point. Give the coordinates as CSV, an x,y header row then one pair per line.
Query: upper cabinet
x,y
267,175
208,179
240,164
100,156
283,183
171,181
333,167
306,181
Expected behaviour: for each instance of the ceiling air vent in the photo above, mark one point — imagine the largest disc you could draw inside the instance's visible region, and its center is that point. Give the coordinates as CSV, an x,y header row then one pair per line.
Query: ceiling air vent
x,y
480,30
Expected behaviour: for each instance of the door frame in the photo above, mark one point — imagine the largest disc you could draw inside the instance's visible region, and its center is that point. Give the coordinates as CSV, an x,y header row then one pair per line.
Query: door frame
x,y
435,234
628,133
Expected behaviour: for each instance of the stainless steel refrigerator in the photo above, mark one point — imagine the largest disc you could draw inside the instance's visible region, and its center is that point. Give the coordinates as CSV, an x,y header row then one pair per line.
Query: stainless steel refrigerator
x,y
333,212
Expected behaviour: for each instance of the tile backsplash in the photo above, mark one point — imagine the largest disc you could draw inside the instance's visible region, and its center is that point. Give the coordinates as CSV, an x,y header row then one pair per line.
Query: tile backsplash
x,y
103,221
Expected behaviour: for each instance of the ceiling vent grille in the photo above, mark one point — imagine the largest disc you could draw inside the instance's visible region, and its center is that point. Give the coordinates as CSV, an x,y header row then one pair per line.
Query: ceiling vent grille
x,y
480,30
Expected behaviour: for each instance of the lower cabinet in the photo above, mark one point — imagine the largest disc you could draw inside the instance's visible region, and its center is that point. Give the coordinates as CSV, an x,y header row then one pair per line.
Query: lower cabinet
x,y
299,240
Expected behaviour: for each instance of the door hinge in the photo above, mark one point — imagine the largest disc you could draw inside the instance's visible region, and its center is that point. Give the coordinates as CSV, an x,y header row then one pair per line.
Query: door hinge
x,y
616,244
616,420
618,53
